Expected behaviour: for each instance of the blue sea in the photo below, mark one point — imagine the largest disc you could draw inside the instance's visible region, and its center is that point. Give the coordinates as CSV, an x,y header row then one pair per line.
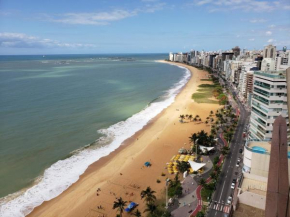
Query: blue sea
x,y
61,113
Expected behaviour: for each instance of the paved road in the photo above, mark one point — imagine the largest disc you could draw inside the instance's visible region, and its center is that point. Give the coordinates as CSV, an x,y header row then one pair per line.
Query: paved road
x,y
218,207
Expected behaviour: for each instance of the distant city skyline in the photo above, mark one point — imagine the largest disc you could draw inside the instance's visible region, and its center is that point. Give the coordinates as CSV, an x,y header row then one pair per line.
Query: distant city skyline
x,y
141,26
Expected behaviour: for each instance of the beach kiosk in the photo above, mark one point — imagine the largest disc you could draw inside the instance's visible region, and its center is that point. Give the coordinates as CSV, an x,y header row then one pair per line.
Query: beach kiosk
x,y
196,166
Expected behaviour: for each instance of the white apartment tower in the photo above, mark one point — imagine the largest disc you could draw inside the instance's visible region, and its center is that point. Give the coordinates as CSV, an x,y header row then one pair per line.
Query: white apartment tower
x,y
269,100
269,51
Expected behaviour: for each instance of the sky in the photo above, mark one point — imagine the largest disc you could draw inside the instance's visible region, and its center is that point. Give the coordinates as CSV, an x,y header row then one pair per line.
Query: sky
x,y
140,26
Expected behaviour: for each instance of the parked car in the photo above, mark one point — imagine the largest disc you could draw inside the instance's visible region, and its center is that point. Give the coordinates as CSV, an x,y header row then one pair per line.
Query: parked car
x,y
239,160
233,186
230,199
234,180
241,150
238,164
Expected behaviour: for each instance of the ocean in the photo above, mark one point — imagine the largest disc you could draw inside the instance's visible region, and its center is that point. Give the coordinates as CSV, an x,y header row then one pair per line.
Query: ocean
x,y
61,113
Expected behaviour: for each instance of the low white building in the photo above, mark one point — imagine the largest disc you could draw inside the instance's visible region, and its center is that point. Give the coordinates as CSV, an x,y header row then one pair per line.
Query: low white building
x,y
253,186
268,64
171,57
282,60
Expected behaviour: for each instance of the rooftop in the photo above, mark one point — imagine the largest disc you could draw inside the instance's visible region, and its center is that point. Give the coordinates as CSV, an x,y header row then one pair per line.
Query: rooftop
x,y
262,147
272,74
254,186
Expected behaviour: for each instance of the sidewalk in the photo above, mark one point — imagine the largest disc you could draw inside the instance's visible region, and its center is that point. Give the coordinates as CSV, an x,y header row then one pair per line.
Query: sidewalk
x,y
191,198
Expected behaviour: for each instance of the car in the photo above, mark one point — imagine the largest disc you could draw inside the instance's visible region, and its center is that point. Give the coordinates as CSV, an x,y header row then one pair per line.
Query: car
x,y
239,160
233,186
241,151
234,180
230,199
238,164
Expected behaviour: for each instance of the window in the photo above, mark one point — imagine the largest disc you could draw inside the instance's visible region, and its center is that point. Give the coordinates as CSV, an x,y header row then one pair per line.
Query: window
x,y
272,53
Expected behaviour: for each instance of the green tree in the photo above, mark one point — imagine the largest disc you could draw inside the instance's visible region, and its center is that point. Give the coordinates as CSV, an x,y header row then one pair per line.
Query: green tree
x,y
175,187
181,117
193,138
120,204
202,182
213,175
190,117
148,195
200,214
216,160
182,166
225,150
151,208
137,213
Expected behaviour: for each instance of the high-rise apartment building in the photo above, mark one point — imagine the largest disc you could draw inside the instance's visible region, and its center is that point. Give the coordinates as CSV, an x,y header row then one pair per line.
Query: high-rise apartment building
x,y
269,100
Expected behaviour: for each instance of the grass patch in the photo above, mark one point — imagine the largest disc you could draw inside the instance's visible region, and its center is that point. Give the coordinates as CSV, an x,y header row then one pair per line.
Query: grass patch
x,y
206,193
204,92
206,79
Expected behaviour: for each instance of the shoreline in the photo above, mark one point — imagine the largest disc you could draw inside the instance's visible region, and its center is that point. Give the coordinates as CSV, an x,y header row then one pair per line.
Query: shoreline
x,y
100,172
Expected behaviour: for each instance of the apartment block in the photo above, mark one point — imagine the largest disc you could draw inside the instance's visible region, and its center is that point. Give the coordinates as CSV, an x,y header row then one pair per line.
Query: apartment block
x,y
269,100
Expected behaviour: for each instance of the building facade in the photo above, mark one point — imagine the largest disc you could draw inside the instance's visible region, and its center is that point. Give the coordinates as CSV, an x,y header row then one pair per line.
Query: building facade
x,y
269,100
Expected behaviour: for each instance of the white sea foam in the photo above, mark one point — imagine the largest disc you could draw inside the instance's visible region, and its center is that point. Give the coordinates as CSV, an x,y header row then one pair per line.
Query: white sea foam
x,y
64,173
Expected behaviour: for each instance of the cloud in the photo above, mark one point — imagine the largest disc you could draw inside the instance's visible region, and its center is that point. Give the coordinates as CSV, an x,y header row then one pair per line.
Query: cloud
x,y
270,40
4,13
20,40
244,5
101,18
268,33
251,39
203,2
152,8
258,21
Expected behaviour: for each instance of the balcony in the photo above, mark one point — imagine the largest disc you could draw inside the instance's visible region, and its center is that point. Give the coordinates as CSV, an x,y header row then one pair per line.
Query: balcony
x,y
261,99
262,115
263,85
262,92
259,121
259,107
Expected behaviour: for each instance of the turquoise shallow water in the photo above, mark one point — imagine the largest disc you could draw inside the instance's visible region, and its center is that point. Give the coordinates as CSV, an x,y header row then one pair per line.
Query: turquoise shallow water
x,y
51,106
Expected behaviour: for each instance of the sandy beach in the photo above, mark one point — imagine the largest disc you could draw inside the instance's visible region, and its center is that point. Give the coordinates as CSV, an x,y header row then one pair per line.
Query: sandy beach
x,y
122,172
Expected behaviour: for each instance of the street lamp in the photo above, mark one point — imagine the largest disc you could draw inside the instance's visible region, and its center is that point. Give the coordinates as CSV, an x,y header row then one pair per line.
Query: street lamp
x,y
166,196
196,147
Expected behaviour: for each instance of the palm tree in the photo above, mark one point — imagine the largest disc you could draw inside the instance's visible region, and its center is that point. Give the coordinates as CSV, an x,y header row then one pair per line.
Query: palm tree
x,y
197,116
137,213
148,195
151,208
193,138
206,122
225,150
202,182
182,166
181,117
119,204
213,175
190,117
211,112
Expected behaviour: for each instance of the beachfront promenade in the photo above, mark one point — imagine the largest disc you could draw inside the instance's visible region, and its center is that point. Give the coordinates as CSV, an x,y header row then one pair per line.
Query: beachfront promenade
x,y
192,203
